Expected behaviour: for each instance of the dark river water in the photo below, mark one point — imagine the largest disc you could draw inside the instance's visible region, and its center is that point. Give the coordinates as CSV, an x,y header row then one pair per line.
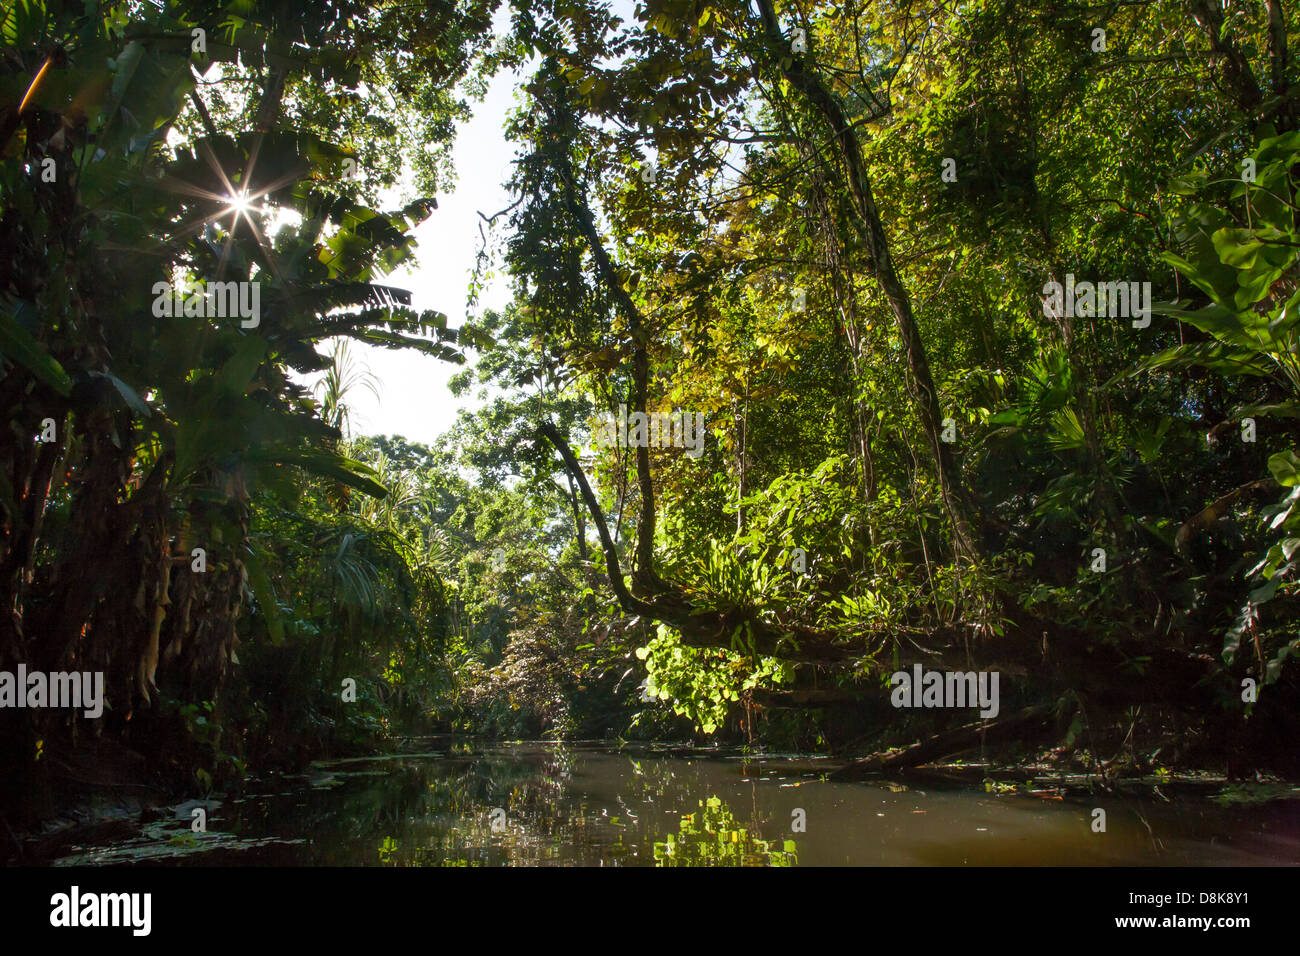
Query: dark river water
x,y
538,803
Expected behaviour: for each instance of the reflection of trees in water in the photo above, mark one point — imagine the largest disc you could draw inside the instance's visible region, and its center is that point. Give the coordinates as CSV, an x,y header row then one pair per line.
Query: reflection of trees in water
x,y
439,813
448,819
653,780
343,811
531,791
713,836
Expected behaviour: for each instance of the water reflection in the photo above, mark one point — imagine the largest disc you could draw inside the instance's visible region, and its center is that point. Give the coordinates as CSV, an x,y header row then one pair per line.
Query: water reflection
x,y
529,804
714,837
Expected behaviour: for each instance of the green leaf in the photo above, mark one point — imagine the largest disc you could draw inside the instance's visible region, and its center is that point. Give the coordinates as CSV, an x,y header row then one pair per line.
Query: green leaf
x,y
1273,670
129,395
1237,247
1264,593
1215,356
1285,468
239,369
20,347
326,464
260,581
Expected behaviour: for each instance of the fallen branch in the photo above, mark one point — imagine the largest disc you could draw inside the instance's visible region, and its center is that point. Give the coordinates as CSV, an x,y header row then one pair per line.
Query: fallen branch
x,y
1011,727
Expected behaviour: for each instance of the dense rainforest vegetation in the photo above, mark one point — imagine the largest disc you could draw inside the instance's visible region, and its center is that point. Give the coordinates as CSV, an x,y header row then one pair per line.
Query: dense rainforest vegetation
x,y
811,244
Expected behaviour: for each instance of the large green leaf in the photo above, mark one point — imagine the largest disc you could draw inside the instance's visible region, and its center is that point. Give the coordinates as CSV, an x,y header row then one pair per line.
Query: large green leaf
x,y
129,395
20,347
1215,356
325,464
1285,467
260,581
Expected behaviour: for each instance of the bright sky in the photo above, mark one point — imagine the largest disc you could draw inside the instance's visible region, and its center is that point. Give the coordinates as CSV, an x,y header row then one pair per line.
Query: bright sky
x,y
413,397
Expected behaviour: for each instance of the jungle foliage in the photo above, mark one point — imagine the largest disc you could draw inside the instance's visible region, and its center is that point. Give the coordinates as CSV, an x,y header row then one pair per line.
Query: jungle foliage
x,y
826,227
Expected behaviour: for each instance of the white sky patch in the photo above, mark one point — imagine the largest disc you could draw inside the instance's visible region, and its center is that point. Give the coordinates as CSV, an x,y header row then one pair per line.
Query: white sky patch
x,y
414,400
413,397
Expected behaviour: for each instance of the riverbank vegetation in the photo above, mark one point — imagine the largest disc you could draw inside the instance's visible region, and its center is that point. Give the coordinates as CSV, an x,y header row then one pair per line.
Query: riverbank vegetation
x,y
828,231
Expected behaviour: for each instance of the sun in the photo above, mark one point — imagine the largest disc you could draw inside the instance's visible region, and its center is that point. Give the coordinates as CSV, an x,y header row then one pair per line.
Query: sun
x,y
235,202
240,203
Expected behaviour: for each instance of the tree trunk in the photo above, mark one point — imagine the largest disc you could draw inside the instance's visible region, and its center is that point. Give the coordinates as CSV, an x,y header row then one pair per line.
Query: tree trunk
x,y
643,570
867,219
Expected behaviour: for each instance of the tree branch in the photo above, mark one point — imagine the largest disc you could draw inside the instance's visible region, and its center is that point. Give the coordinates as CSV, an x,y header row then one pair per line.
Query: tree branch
x,y
867,220
626,600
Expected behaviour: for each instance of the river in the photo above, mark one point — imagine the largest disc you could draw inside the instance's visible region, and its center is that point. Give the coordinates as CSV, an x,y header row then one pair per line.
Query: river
x,y
516,804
